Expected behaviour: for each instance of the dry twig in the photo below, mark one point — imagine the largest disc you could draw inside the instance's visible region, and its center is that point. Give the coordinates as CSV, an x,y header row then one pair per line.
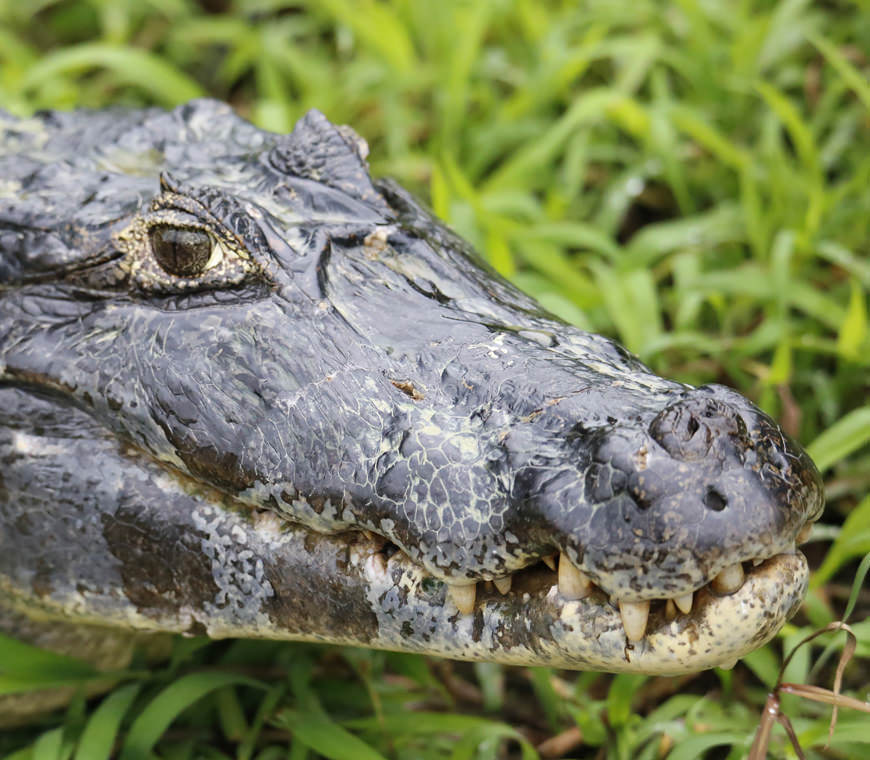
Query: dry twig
x,y
772,713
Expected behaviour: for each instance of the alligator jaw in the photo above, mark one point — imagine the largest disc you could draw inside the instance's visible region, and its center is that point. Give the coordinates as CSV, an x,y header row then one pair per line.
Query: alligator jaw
x,y
198,566
196,561
588,634
534,624
262,578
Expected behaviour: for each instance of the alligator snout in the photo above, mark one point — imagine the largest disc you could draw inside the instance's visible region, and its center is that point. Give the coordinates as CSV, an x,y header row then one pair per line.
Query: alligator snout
x,y
715,423
709,482
668,502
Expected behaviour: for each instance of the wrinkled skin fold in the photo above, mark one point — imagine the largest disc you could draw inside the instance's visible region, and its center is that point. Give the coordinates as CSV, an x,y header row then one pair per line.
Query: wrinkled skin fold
x,y
245,390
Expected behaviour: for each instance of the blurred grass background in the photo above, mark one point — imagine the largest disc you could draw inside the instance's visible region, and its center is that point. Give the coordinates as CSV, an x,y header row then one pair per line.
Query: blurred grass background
x,y
689,177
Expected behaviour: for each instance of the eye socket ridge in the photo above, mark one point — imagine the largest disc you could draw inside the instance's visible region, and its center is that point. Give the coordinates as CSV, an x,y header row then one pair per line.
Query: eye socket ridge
x,y
178,246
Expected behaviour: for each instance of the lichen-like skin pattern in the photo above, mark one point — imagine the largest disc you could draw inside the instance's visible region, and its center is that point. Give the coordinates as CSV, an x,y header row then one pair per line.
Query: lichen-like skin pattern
x,y
343,415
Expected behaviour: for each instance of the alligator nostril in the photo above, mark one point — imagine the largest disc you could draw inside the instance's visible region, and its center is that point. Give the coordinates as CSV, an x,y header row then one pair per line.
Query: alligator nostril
x,y
692,426
714,500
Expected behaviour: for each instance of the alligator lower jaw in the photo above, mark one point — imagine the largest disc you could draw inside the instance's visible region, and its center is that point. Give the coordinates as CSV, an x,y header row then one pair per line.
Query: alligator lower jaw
x,y
586,634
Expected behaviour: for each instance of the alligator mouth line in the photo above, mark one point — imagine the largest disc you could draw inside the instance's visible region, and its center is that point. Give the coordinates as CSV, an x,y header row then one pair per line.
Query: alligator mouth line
x,y
560,581
548,613
736,611
201,561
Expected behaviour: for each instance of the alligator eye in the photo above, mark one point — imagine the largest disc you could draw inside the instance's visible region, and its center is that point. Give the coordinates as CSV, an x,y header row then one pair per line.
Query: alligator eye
x,y
181,251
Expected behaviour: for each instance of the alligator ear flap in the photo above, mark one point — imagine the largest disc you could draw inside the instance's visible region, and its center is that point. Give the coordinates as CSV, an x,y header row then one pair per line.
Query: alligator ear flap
x,y
318,150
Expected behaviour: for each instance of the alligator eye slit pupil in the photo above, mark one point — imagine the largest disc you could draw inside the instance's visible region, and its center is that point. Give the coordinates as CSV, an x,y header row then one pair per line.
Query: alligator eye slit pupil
x,y
180,251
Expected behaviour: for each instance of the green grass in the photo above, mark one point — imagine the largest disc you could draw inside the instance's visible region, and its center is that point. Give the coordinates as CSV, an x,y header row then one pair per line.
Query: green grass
x,y
692,178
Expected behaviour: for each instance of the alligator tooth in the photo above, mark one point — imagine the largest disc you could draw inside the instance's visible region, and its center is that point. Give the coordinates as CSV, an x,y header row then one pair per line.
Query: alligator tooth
x,y
757,561
670,610
503,584
684,602
573,583
463,596
804,534
729,580
550,561
727,665
634,616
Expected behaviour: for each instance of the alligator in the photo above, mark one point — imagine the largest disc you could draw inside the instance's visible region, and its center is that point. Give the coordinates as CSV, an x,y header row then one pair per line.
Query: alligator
x,y
246,390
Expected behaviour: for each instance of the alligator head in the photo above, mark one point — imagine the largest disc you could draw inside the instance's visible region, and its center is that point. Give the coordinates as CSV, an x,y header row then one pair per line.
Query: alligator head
x,y
246,390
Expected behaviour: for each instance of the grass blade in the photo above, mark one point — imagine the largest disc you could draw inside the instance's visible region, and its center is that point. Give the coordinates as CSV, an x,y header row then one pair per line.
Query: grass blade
x,y
163,81
853,78
101,731
853,541
49,745
842,438
24,667
165,707
315,730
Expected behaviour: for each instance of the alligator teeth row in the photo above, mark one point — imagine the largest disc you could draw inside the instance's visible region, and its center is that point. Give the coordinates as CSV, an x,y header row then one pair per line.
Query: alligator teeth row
x,y
635,614
575,584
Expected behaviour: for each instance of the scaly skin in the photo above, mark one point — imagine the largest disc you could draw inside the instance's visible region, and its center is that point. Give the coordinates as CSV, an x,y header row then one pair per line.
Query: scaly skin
x,y
338,421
